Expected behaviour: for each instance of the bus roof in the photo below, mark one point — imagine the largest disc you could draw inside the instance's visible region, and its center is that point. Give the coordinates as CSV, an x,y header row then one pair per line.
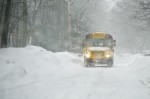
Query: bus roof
x,y
98,35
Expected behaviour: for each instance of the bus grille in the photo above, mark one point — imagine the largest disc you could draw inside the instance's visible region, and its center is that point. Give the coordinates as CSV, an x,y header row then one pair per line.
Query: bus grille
x,y
98,54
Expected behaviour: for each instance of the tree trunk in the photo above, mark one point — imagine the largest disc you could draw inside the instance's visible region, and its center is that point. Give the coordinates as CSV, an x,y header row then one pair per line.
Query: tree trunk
x,y
1,18
25,22
5,28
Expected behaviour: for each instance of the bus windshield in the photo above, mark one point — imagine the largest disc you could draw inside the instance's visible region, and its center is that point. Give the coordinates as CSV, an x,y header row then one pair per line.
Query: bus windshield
x,y
99,42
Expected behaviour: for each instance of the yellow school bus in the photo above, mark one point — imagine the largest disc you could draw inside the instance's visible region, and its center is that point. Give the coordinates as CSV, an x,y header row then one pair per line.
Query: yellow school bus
x,y
98,49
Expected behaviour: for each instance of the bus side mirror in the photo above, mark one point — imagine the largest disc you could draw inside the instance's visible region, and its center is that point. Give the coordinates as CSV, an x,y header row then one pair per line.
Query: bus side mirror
x,y
83,44
114,43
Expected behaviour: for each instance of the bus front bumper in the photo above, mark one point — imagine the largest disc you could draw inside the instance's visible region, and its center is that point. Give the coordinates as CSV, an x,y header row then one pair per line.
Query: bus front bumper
x,y
99,62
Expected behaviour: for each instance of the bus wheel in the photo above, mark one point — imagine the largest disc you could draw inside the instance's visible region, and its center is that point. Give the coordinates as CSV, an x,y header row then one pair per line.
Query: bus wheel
x,y
86,63
110,63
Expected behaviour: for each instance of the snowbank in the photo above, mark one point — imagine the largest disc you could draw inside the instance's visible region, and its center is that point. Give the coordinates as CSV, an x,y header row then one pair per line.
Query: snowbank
x,y
35,73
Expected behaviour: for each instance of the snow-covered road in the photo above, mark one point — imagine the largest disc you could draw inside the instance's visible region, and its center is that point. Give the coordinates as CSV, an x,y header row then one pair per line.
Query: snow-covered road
x,y
34,73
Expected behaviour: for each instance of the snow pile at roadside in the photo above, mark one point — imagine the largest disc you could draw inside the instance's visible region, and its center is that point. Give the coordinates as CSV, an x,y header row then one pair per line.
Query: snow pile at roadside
x,y
35,73
142,67
126,59
24,65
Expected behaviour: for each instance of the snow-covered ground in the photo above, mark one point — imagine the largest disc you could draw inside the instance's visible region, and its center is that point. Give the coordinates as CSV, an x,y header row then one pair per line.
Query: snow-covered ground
x,y
35,73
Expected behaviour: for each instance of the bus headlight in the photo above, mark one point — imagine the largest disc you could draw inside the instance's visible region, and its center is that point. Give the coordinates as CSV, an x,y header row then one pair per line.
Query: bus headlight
x,y
108,54
88,54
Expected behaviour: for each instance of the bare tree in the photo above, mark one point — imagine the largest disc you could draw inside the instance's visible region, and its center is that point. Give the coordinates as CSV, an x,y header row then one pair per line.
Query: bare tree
x,y
13,27
4,38
79,23
136,9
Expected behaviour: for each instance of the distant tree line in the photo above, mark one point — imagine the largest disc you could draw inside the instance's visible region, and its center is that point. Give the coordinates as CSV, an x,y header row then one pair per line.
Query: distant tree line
x,y
137,10
13,22
52,24
138,14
